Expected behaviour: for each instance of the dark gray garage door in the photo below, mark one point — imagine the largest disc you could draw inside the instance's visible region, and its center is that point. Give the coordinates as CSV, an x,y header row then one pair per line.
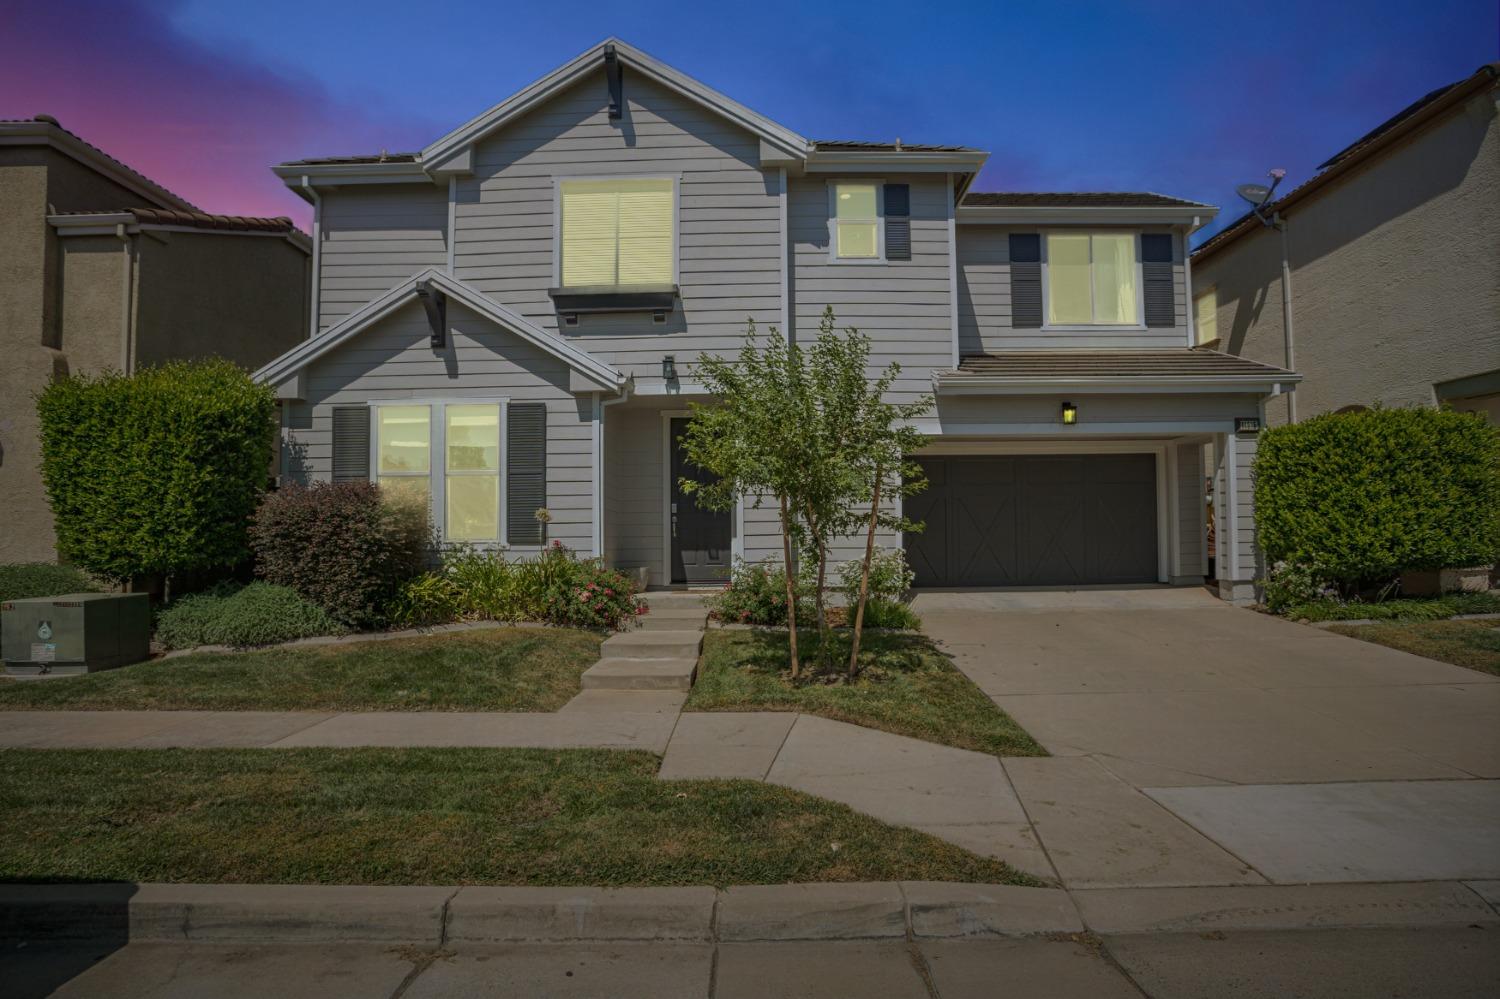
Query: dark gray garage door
x,y
1035,520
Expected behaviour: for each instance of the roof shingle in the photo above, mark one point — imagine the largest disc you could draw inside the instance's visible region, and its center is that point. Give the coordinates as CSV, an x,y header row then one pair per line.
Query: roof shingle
x,y
855,145
197,220
1095,199
1048,365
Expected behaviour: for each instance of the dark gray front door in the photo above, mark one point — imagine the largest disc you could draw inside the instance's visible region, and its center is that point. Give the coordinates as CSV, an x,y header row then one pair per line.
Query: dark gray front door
x,y
1035,520
700,538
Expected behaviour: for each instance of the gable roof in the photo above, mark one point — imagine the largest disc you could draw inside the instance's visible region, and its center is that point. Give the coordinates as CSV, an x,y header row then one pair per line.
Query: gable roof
x,y
45,130
1403,123
300,356
591,61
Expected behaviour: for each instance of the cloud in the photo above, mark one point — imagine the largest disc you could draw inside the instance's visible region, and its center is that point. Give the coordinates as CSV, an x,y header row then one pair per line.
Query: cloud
x,y
203,120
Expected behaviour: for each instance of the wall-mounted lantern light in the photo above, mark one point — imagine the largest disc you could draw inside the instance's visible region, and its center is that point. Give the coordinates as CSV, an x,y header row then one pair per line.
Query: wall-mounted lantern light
x,y
669,368
1069,414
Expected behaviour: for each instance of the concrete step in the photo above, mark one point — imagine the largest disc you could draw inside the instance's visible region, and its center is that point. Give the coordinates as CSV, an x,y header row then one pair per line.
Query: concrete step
x,y
674,619
640,674
661,643
675,598
603,700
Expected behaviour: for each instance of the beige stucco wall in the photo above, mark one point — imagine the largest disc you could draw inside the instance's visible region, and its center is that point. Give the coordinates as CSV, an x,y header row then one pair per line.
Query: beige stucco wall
x,y
1395,273
242,297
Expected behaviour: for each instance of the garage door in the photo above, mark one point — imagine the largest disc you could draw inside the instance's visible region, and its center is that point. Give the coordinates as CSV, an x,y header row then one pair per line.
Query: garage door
x,y
1035,520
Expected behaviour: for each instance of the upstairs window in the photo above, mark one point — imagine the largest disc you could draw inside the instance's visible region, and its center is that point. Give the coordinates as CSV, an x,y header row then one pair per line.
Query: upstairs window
x,y
856,221
617,232
1092,279
1206,315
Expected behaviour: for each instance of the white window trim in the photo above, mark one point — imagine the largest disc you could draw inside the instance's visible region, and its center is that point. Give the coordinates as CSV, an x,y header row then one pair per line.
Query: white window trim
x,y
557,218
437,464
833,221
1139,326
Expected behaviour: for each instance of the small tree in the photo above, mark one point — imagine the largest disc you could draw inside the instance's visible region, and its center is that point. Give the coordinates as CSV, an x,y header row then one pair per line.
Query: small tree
x,y
156,472
749,442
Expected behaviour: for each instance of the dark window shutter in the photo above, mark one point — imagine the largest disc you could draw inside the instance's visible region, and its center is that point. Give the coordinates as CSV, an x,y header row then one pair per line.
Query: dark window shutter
x,y
525,471
351,443
1156,271
1025,280
898,221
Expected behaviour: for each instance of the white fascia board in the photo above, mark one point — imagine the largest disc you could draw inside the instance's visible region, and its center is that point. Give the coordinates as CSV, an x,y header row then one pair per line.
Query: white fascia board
x,y
41,133
331,175
590,61
1195,216
605,376
845,161
977,385
105,223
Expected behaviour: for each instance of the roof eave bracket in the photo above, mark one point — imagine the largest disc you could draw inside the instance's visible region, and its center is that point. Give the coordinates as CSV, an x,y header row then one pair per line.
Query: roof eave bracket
x,y
435,304
613,73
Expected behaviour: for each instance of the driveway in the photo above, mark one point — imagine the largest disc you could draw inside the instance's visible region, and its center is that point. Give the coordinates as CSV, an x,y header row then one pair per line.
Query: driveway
x,y
1175,718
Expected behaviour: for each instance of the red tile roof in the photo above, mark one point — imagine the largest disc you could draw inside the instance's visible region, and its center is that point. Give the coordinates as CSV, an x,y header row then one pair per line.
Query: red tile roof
x,y
197,220
47,119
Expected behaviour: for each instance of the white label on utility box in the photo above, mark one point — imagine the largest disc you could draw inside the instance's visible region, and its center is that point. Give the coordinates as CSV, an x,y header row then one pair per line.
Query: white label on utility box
x,y
43,652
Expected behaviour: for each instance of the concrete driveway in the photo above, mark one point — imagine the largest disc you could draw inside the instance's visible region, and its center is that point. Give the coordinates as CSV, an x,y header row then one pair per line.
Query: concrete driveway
x,y
1174,718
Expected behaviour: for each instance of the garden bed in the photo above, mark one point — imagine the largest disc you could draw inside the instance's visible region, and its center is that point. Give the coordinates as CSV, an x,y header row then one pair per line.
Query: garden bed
x,y
1474,644
907,687
499,669
435,816
1402,609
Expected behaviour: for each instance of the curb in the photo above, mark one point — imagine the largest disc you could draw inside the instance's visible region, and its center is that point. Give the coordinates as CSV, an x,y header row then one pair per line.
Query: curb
x,y
438,916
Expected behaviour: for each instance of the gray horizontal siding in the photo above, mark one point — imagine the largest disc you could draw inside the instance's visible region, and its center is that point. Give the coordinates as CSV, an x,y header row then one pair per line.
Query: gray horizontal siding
x,y
729,219
903,306
372,238
392,360
984,316
1190,510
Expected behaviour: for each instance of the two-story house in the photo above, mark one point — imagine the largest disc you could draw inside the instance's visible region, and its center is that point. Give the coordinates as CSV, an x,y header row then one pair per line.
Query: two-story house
x,y
103,268
510,319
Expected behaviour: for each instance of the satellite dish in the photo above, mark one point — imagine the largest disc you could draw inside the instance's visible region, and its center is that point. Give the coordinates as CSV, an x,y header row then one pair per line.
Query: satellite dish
x,y
1256,194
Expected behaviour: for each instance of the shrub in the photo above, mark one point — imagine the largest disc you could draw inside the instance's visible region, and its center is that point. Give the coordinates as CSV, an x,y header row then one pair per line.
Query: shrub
x,y
425,600
883,613
19,580
588,596
1289,585
341,545
756,594
1405,609
890,577
1358,497
156,472
241,615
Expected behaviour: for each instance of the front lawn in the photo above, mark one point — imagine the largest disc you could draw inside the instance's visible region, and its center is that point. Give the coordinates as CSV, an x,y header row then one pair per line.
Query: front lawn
x,y
908,687
435,816
501,669
1475,644
1401,609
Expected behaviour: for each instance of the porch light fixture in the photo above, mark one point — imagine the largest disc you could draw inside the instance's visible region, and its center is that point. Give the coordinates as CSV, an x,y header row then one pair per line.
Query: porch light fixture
x,y
1069,414
669,368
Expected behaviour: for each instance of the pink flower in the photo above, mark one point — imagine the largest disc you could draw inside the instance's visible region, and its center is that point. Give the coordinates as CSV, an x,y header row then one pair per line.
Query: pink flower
x,y
608,592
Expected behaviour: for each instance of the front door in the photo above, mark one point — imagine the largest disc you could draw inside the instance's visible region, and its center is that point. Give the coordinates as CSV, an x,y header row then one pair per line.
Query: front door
x,y
700,538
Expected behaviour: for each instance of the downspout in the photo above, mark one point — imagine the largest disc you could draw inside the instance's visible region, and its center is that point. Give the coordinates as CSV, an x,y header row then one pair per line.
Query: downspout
x,y
1286,314
317,252
1187,280
127,334
600,405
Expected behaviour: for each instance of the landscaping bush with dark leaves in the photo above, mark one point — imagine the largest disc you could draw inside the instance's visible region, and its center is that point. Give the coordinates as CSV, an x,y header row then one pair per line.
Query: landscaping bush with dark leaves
x,y
20,580
241,615
342,545
156,472
1353,499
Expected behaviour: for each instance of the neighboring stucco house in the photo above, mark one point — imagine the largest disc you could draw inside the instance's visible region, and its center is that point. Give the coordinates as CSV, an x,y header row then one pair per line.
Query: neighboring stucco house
x,y
1394,253
510,319
101,268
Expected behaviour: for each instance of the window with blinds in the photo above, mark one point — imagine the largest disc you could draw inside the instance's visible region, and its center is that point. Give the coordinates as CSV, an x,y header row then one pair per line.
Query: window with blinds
x,y
617,232
1206,315
1092,280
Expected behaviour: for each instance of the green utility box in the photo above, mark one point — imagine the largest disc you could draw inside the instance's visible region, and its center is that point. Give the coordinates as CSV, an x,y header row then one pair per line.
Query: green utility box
x,y
74,633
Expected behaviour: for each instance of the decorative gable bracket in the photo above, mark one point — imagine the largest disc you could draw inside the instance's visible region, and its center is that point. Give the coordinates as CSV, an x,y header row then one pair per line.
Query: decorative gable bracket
x,y
435,303
614,74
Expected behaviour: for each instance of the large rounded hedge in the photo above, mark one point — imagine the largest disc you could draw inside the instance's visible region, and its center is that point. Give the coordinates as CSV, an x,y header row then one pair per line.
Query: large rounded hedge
x,y
1359,497
159,471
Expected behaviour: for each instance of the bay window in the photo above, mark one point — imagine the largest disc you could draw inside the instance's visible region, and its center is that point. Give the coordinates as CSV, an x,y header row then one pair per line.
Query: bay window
x,y
617,232
1092,279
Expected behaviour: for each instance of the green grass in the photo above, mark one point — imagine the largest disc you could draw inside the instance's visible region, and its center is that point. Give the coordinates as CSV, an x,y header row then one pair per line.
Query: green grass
x,y
503,669
435,816
1475,644
907,686
1403,609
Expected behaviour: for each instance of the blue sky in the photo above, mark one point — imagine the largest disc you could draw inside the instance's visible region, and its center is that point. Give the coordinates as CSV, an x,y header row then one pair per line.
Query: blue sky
x,y
1184,98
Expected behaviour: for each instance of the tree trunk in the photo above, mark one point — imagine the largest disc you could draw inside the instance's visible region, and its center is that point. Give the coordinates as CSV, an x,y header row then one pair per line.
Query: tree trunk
x,y
864,580
825,644
791,585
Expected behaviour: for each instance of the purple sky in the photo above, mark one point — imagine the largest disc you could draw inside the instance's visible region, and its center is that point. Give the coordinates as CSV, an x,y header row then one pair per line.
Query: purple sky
x,y
1183,98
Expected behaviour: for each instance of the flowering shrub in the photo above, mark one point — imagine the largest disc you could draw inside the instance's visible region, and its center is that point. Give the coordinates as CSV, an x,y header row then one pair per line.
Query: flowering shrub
x,y
890,576
756,594
591,596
